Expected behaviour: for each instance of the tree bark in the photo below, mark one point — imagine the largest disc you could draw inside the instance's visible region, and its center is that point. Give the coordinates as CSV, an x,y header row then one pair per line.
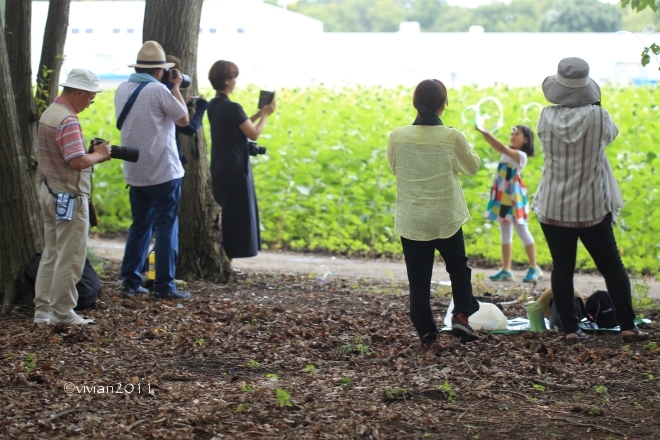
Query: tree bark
x,y
18,37
175,25
20,229
52,53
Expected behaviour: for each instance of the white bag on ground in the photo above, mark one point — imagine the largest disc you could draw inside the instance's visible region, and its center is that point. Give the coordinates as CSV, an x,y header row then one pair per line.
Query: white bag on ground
x,y
488,317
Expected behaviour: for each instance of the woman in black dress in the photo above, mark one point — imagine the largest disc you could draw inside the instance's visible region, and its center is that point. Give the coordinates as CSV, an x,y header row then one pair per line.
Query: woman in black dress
x,y
231,172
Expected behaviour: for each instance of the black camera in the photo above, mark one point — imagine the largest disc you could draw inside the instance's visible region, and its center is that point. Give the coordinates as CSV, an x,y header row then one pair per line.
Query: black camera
x,y
193,101
129,154
171,74
254,148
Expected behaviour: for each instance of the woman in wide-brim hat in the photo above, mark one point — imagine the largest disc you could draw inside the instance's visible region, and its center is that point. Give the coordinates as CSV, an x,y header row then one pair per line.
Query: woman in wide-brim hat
x,y
578,196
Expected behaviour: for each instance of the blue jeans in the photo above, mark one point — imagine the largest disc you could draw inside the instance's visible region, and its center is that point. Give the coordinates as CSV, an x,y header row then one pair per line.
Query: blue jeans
x,y
153,205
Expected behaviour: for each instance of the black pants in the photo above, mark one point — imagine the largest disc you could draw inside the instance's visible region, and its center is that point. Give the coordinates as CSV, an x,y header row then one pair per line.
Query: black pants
x,y
420,256
600,242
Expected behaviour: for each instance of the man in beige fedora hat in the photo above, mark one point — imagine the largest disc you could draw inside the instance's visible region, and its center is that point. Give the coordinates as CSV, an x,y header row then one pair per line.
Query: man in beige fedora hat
x,y
578,196
64,199
147,112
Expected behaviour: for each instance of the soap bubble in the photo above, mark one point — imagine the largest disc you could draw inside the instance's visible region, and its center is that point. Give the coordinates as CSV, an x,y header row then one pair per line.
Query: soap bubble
x,y
648,29
553,15
532,111
469,114
509,18
490,114
322,274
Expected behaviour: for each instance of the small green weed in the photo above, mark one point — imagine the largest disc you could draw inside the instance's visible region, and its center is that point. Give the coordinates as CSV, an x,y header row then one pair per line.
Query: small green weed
x,y
243,406
272,377
649,376
601,389
538,387
29,362
651,346
343,381
199,342
93,349
451,395
253,364
311,368
283,397
638,405
397,393
356,346
246,388
534,399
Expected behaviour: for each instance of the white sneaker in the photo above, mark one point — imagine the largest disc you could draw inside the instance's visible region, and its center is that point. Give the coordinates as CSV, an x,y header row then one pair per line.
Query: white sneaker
x,y
72,319
41,316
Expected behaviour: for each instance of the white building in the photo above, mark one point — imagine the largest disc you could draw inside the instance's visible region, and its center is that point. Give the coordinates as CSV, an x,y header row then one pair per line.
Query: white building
x,y
274,47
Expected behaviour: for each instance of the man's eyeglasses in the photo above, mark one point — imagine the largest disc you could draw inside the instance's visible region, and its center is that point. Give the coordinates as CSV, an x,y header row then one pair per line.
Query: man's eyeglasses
x,y
91,98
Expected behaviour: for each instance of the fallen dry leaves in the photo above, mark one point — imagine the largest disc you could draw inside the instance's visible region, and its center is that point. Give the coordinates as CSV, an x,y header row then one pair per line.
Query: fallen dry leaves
x,y
342,354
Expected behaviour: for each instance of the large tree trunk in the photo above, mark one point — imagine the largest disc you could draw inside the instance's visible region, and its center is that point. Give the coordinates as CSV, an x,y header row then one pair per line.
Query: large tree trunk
x,y
18,38
20,229
52,53
175,25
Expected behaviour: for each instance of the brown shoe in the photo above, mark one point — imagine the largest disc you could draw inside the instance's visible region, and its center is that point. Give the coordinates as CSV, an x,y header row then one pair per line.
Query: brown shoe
x,y
637,336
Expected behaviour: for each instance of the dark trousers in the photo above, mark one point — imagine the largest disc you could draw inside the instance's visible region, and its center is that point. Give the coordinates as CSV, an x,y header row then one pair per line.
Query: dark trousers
x,y
600,242
152,207
420,256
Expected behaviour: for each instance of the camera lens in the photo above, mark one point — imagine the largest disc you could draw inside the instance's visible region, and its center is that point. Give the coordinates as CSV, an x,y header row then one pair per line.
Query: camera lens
x,y
129,154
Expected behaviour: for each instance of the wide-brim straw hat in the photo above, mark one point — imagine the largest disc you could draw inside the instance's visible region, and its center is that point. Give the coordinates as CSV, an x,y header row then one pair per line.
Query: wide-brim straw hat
x,y
151,55
82,79
571,85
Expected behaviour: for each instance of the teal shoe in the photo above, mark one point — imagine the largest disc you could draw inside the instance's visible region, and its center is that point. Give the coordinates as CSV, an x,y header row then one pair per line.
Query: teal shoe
x,y
502,275
533,274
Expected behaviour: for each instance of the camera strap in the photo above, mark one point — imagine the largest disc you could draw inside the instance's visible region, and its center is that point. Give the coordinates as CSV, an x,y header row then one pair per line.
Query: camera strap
x,y
50,191
129,105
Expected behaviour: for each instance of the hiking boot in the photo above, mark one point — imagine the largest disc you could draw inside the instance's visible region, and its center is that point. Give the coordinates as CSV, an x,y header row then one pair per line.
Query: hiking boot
x,y
41,316
460,327
134,292
174,294
71,319
502,275
580,336
533,274
431,343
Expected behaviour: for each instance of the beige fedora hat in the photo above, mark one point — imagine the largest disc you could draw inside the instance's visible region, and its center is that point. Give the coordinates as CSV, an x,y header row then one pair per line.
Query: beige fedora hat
x,y
82,79
571,85
151,55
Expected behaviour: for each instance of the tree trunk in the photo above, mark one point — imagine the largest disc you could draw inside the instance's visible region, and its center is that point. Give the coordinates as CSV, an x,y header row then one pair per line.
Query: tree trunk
x,y
52,53
20,229
18,38
175,25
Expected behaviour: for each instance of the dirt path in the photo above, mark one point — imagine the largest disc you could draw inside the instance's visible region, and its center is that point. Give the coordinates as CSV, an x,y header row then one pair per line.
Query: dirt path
x,y
305,264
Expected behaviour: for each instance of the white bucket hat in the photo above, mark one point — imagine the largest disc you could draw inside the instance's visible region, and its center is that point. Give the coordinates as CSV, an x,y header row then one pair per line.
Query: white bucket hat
x,y
571,86
151,55
82,79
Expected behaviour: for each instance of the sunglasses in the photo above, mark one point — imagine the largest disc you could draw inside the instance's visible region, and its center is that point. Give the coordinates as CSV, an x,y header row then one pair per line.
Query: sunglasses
x,y
91,99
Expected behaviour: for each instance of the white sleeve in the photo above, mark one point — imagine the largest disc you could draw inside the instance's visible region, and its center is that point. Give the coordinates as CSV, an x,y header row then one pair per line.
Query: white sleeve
x,y
523,160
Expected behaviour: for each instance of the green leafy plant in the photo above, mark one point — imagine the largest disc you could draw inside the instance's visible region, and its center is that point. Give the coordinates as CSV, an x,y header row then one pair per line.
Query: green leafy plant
x,y
343,381
29,362
638,405
446,387
538,387
356,346
311,369
93,349
272,377
394,393
253,364
243,406
283,397
601,389
651,346
246,388
199,342
649,376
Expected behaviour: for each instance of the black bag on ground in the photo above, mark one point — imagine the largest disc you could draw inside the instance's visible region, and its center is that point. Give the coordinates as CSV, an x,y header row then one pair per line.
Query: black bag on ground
x,y
89,287
600,309
555,321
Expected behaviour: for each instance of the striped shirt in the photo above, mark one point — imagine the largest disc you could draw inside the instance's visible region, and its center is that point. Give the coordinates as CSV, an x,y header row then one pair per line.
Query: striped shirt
x,y
150,127
577,187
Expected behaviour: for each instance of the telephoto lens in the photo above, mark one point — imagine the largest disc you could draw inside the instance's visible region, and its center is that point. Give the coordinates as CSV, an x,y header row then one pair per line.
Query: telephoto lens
x,y
129,154
185,79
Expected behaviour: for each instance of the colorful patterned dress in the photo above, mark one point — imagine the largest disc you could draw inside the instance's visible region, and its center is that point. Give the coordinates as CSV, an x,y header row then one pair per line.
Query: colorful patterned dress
x,y
508,196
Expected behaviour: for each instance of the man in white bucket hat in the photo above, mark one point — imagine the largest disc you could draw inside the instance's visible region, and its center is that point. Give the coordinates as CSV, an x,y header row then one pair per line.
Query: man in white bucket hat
x,y
146,115
64,199
578,196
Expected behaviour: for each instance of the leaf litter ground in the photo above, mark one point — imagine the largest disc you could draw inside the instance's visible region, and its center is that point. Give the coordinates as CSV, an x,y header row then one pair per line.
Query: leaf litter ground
x,y
277,355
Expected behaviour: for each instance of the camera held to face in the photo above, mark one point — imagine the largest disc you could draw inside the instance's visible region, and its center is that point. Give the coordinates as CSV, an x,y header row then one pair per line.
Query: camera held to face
x,y
254,148
171,74
129,154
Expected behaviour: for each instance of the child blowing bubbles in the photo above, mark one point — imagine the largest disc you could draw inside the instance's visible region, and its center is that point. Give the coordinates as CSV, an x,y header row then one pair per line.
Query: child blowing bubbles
x,y
508,199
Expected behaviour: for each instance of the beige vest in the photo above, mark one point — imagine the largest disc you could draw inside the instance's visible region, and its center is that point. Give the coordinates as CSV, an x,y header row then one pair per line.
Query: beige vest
x,y
61,177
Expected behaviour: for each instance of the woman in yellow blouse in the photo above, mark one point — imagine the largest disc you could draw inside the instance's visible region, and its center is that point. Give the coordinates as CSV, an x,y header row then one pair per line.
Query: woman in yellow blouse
x,y
426,158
